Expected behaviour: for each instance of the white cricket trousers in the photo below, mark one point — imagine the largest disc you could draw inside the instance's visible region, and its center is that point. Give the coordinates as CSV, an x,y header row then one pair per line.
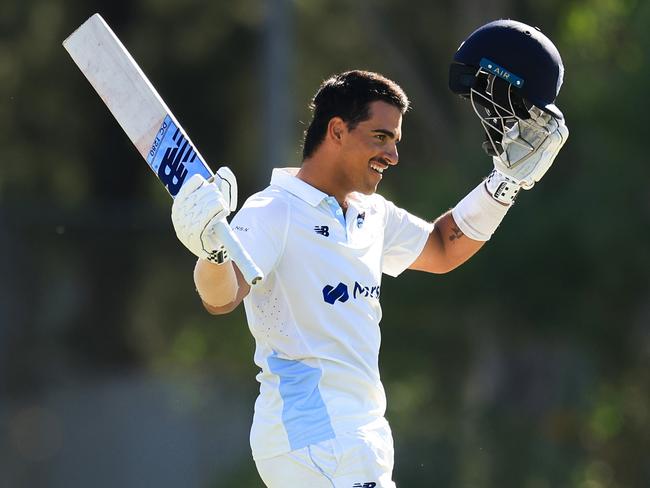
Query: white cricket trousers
x,y
360,459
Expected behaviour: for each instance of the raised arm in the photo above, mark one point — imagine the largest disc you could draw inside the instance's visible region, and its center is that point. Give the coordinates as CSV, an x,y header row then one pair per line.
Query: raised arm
x,y
446,248
458,234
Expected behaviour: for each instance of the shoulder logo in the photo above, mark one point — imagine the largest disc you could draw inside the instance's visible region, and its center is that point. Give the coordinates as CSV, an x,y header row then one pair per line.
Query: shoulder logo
x,y
322,230
369,484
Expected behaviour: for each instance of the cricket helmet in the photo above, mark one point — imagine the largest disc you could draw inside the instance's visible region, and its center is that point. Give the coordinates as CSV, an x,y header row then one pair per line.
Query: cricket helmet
x,y
505,68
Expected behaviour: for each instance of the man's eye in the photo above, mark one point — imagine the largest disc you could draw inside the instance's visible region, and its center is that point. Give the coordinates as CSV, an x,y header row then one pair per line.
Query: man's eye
x,y
381,137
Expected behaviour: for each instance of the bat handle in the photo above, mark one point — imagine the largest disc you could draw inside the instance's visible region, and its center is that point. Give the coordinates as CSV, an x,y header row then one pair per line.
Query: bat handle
x,y
252,274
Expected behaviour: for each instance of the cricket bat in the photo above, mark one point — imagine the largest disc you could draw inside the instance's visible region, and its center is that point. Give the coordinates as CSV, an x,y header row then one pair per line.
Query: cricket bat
x,y
146,119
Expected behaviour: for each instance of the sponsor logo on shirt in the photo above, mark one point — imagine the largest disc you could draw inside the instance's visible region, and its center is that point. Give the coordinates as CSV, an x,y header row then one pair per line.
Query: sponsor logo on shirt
x,y
322,230
331,294
368,484
365,291
341,292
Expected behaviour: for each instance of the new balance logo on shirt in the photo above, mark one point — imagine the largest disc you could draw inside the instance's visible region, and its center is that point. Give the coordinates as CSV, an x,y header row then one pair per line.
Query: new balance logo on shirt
x,y
369,484
322,230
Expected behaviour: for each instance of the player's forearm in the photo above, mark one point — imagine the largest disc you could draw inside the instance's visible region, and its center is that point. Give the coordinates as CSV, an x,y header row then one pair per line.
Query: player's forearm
x,y
217,285
447,247
456,247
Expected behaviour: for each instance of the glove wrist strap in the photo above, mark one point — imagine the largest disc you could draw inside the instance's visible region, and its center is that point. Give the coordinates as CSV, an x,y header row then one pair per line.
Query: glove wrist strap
x,y
502,188
218,256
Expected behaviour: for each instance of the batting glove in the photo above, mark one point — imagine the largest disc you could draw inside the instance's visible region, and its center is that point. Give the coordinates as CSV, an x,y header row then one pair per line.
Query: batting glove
x,y
198,206
530,147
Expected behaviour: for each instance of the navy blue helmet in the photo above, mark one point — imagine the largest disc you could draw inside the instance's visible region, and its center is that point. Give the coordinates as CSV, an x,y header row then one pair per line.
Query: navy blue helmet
x,y
516,53
508,70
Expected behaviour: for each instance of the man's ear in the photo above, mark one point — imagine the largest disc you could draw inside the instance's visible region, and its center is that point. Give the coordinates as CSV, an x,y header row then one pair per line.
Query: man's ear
x,y
336,128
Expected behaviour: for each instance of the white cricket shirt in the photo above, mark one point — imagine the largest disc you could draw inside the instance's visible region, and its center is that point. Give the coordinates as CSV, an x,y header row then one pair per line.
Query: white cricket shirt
x,y
315,317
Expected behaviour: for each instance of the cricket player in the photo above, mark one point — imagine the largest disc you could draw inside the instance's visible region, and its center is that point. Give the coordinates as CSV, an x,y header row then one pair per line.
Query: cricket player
x,y
323,238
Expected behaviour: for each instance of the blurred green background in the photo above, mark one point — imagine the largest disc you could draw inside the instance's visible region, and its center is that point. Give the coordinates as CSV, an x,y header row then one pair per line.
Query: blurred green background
x,y
528,367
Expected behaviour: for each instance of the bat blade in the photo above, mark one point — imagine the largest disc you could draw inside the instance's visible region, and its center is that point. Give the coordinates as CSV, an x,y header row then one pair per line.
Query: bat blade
x,y
146,119
135,103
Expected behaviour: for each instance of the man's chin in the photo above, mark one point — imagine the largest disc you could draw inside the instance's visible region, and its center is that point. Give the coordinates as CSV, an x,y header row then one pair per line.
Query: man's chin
x,y
370,190
368,187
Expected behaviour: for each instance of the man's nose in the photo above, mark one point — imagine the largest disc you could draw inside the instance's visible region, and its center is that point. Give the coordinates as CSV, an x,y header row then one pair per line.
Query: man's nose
x,y
392,156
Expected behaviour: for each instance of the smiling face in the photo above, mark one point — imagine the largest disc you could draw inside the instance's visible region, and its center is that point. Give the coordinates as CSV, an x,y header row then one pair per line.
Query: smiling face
x,y
370,148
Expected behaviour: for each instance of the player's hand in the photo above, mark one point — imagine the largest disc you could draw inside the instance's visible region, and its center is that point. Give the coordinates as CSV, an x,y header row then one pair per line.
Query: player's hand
x,y
530,147
198,206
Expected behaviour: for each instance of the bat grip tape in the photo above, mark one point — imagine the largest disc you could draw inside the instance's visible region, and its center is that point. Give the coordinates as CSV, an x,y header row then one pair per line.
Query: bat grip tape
x,y
252,274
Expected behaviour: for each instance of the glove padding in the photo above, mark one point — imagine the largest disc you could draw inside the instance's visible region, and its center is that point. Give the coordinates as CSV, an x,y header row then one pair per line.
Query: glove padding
x,y
530,147
198,206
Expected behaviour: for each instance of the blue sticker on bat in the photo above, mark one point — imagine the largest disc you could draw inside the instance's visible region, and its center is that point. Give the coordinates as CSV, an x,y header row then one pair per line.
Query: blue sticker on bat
x,y
501,72
173,158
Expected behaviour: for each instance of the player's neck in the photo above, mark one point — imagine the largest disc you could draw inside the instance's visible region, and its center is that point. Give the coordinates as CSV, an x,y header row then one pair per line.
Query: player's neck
x,y
319,173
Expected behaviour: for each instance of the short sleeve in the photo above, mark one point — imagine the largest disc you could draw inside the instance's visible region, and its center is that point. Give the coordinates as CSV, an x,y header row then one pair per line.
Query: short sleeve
x,y
261,226
404,238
